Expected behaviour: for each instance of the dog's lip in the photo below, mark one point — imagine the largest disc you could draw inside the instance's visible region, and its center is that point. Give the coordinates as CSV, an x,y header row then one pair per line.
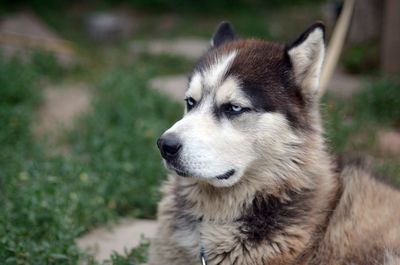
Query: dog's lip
x,y
183,173
178,171
227,175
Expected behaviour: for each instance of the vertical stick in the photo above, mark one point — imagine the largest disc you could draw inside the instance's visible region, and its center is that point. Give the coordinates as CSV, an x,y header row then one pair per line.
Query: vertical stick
x,y
336,44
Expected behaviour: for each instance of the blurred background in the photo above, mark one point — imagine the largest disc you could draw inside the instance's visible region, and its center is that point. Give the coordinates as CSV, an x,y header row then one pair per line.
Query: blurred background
x,y
86,87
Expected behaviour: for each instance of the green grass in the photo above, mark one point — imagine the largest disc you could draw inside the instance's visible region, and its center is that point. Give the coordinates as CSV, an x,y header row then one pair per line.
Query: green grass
x,y
34,224
362,58
282,22
164,64
137,255
379,103
389,169
188,6
113,170
352,126
203,25
117,143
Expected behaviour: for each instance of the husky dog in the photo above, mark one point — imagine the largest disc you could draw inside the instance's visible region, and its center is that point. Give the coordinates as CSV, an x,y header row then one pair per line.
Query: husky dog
x,y
252,181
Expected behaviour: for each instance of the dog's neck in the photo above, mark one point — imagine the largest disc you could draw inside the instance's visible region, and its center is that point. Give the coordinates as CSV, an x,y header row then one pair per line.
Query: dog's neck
x,y
293,217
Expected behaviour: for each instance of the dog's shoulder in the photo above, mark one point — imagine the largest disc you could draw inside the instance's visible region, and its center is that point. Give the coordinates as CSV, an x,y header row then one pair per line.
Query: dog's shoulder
x,y
365,196
358,179
365,225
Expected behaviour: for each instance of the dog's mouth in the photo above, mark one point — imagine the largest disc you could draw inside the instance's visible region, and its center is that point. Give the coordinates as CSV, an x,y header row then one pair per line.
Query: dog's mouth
x,y
227,175
184,173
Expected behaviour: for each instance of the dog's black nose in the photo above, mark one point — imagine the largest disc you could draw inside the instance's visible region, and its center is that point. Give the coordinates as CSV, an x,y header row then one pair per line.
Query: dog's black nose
x,y
169,146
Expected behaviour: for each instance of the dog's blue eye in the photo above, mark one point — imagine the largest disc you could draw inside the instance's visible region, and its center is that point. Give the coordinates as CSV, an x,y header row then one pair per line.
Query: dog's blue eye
x,y
231,109
235,108
190,103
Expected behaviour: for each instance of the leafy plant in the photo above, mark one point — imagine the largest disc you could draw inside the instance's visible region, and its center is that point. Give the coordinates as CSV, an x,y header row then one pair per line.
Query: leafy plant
x,y
362,58
114,168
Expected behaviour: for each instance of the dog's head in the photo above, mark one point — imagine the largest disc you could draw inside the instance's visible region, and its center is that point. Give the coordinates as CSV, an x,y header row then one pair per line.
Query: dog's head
x,y
247,104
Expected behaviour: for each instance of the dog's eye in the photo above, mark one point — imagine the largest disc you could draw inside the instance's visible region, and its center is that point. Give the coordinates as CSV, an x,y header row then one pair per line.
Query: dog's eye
x,y
232,109
190,103
235,108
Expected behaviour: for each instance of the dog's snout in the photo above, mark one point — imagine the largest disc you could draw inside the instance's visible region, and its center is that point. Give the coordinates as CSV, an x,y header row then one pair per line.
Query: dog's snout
x,y
169,146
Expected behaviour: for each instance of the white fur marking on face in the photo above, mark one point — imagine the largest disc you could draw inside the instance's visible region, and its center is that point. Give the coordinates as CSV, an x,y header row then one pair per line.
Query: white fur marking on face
x,y
230,92
195,86
307,60
214,74
211,148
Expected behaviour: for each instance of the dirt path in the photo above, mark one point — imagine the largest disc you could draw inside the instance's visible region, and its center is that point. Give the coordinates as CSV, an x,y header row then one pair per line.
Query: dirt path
x,y
190,48
389,143
173,86
62,105
22,33
123,236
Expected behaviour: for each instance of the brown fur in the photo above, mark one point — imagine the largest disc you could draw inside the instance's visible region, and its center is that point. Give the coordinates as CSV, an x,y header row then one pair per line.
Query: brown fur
x,y
357,224
317,212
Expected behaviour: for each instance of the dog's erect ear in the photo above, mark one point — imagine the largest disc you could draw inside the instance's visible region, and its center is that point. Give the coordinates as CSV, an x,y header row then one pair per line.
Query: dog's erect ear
x,y
307,55
224,33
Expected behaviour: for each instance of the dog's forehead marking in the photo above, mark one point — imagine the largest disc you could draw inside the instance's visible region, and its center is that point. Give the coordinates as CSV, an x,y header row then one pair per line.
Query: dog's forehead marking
x,y
213,74
210,77
230,92
195,86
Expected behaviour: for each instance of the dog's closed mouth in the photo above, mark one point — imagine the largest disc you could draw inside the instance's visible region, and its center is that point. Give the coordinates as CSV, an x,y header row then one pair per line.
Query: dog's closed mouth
x,y
226,175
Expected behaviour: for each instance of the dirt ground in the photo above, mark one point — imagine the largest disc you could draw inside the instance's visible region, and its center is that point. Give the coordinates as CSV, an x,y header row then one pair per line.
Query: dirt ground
x,y
125,235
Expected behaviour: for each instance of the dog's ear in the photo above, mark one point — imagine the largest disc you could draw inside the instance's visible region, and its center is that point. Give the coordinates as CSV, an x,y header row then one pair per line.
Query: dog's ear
x,y
307,55
224,33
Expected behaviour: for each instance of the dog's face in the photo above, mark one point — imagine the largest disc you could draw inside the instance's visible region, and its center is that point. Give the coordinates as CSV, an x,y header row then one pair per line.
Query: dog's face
x,y
246,103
